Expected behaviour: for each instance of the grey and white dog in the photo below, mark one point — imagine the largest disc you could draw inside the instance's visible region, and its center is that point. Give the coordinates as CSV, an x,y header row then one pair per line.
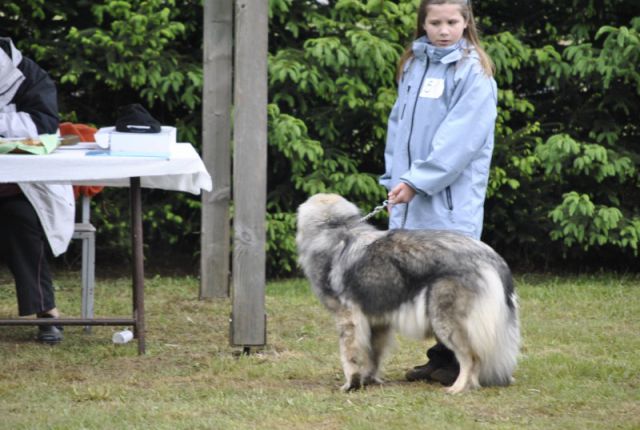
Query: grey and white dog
x,y
419,283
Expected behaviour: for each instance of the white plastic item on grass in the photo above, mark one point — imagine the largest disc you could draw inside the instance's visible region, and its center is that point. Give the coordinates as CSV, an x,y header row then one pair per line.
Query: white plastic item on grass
x,y
122,337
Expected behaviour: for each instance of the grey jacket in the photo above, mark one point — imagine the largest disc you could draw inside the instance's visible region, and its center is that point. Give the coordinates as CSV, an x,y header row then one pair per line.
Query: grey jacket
x,y
440,139
28,107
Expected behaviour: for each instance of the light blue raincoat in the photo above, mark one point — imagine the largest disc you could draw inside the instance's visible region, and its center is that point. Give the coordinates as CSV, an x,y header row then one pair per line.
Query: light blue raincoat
x,y
440,139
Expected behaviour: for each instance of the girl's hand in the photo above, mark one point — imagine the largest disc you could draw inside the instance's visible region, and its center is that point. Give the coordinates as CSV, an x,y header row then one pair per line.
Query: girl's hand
x,y
401,193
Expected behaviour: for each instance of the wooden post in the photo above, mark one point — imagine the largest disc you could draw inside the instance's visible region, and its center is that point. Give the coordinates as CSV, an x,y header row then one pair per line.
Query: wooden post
x,y
216,136
248,322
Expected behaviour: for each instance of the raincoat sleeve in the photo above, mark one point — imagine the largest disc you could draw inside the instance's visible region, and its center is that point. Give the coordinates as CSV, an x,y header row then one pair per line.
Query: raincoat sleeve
x,y
392,127
37,97
460,136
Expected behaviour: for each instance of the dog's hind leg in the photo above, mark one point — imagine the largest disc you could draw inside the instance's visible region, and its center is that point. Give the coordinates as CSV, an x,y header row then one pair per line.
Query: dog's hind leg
x,y
447,309
468,377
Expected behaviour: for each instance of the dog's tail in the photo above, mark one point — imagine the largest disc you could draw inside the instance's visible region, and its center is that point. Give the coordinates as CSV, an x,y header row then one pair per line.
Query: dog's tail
x,y
494,330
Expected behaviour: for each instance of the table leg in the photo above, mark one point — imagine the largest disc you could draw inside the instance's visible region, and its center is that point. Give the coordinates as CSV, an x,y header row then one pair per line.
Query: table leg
x,y
138,263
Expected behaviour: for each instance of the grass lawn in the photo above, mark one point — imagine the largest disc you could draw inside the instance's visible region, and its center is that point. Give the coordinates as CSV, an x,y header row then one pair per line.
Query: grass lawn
x,y
579,369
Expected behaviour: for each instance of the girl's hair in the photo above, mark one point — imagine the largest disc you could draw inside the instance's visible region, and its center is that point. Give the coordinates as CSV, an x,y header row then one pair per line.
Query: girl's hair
x,y
470,33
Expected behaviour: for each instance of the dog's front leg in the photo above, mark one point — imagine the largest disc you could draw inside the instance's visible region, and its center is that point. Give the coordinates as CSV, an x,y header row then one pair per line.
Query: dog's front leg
x,y
351,353
380,341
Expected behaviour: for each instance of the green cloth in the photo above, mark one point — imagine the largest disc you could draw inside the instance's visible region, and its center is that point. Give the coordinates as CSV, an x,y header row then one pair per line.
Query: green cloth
x,y
49,142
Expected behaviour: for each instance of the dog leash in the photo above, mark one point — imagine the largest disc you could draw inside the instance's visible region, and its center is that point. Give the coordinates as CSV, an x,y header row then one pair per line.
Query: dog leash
x,y
375,211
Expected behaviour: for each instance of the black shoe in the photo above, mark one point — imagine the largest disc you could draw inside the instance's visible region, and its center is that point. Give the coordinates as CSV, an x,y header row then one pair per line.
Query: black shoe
x,y
422,372
446,375
49,334
434,372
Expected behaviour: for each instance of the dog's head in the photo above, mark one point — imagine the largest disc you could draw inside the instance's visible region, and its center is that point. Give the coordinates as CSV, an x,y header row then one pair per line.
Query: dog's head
x,y
325,211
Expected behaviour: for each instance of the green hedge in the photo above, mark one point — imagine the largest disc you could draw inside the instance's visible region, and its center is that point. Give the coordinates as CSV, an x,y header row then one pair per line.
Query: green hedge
x,y
564,184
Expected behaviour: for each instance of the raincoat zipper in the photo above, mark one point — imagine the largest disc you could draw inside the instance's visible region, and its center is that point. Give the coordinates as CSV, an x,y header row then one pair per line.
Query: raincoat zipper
x,y
413,116
449,198
404,107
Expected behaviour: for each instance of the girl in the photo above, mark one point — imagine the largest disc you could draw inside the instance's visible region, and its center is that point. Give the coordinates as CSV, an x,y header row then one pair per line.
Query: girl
x,y
440,138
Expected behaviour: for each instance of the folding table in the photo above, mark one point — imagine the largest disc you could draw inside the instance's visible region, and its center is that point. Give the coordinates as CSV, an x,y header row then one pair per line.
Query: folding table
x,y
182,171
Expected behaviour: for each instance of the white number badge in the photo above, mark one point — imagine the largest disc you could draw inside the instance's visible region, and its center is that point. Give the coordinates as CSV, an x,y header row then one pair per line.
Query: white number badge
x,y
432,88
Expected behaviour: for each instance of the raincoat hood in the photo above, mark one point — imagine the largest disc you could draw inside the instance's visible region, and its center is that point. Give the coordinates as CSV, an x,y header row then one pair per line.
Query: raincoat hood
x,y
422,48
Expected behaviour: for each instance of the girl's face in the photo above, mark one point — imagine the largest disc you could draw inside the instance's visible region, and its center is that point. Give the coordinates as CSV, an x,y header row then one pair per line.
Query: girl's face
x,y
444,24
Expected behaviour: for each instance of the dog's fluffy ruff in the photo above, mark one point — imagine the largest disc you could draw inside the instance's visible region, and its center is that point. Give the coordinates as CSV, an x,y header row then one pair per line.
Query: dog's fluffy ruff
x,y
418,283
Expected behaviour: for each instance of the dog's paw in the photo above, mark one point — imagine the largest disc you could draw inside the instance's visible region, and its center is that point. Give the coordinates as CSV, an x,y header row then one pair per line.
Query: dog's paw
x,y
352,384
461,387
455,390
373,380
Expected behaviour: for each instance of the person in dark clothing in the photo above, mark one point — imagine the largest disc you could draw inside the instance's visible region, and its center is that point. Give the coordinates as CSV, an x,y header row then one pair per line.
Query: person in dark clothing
x,y
36,219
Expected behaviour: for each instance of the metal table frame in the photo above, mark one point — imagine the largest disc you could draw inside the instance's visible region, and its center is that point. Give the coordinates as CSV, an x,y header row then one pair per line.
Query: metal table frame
x,y
137,319
184,171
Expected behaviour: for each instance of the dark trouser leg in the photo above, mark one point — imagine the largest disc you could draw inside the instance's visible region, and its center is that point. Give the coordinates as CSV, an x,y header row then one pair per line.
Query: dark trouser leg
x,y
441,356
26,249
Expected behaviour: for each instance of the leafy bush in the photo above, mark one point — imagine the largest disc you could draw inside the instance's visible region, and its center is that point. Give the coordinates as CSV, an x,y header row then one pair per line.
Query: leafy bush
x,y
564,182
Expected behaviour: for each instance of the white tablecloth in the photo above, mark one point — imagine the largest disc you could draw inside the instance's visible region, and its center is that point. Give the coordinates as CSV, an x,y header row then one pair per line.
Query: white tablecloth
x,y
183,171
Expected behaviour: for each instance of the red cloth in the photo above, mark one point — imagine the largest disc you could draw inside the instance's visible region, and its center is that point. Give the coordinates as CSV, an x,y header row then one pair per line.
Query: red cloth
x,y
86,190
86,134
